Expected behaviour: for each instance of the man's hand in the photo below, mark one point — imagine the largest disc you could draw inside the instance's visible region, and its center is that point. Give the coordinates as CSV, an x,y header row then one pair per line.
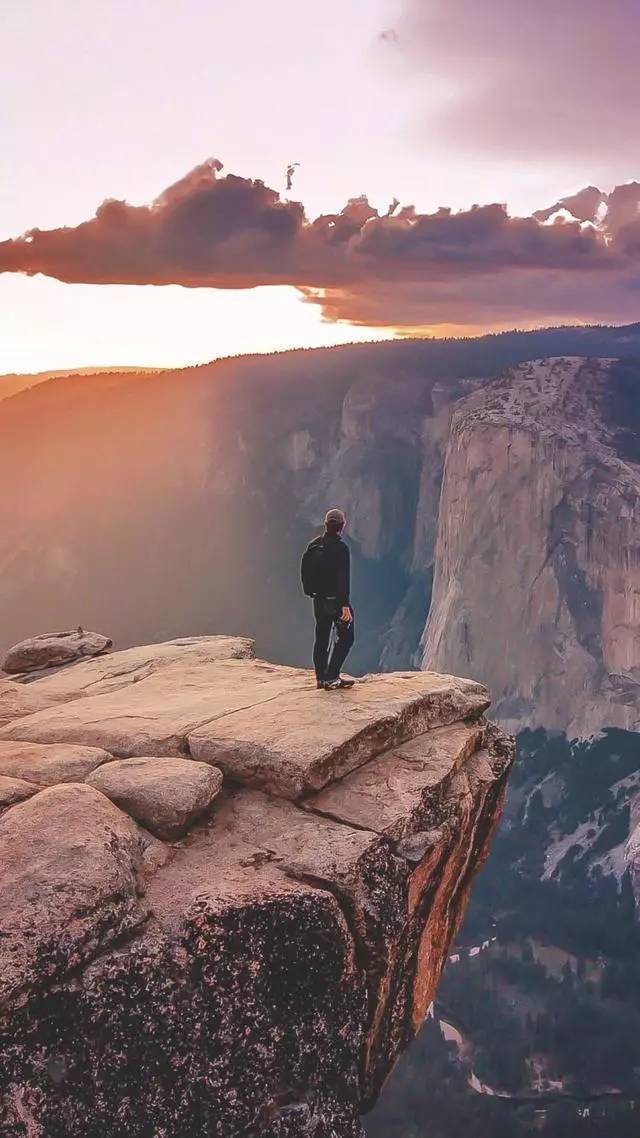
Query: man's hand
x,y
345,615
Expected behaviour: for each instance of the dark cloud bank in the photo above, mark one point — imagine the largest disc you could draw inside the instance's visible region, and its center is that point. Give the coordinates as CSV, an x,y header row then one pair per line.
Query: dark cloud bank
x,y
479,268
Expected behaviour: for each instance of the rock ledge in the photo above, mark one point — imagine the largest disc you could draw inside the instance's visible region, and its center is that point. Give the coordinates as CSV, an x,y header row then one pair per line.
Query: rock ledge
x,y
258,972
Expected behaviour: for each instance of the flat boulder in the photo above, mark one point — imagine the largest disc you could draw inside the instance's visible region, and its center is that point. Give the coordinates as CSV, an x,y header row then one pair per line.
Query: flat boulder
x,y
264,724
69,862
118,670
165,795
303,739
48,764
54,648
155,714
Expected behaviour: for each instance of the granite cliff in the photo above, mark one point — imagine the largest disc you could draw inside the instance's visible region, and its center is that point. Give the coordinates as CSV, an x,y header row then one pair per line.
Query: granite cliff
x,y
225,897
537,577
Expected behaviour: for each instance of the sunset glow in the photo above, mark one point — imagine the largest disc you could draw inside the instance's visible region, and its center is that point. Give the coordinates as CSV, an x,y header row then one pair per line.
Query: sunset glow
x,y
375,114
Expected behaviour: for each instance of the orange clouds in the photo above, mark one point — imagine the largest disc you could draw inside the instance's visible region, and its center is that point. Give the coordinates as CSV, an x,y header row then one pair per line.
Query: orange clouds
x,y
476,268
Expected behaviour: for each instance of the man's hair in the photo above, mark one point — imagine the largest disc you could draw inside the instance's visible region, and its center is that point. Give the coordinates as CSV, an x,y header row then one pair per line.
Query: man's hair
x,y
334,521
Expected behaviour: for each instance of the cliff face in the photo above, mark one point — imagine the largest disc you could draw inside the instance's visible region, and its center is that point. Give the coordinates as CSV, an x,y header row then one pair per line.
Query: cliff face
x,y
537,579
179,958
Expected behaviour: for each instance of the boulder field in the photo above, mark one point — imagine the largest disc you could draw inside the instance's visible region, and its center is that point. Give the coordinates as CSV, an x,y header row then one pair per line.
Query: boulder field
x,y
226,898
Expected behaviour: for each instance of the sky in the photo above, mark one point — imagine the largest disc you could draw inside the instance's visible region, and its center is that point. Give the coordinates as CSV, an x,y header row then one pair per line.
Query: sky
x,y
191,113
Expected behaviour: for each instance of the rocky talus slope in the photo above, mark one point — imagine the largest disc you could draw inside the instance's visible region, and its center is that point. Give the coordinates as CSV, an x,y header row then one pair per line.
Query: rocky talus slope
x,y
226,897
537,576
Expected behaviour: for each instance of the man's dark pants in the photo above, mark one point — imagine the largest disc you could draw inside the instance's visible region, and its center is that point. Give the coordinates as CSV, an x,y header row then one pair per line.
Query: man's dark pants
x,y
326,612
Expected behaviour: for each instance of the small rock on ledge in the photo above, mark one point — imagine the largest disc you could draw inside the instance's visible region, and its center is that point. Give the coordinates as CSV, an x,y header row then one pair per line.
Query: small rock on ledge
x,y
53,649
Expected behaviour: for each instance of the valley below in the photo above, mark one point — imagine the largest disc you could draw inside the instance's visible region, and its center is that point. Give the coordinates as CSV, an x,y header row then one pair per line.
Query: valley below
x,y
542,994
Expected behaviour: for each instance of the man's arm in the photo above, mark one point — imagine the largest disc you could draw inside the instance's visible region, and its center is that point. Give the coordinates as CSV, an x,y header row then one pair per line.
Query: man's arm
x,y
345,582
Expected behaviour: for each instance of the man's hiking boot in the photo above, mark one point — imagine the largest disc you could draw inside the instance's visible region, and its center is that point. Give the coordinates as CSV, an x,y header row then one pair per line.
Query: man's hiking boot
x,y
320,685
338,685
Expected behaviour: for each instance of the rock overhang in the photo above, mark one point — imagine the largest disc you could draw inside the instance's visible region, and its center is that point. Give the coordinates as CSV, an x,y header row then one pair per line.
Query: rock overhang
x,y
316,896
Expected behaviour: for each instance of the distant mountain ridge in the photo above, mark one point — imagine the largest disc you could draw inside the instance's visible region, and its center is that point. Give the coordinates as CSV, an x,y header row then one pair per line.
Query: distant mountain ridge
x,y
591,337
14,382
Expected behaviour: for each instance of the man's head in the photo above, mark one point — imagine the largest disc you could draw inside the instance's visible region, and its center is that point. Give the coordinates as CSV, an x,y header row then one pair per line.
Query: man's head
x,y
334,521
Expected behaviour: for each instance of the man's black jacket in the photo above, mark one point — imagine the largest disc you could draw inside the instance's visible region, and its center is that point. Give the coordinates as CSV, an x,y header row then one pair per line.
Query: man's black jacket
x,y
336,567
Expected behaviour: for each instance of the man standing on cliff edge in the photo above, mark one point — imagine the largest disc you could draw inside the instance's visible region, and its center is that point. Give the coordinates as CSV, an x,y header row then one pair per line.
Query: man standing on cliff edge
x,y
326,576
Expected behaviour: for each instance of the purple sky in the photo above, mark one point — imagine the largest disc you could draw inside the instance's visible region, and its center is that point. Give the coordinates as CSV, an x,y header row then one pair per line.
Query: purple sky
x,y
434,103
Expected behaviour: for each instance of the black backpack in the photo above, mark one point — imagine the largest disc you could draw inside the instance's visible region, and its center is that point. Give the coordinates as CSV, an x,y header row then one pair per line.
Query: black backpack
x,y
312,569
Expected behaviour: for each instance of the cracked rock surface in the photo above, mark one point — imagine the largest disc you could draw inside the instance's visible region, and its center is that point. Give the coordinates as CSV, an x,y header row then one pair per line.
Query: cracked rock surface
x,y
179,958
